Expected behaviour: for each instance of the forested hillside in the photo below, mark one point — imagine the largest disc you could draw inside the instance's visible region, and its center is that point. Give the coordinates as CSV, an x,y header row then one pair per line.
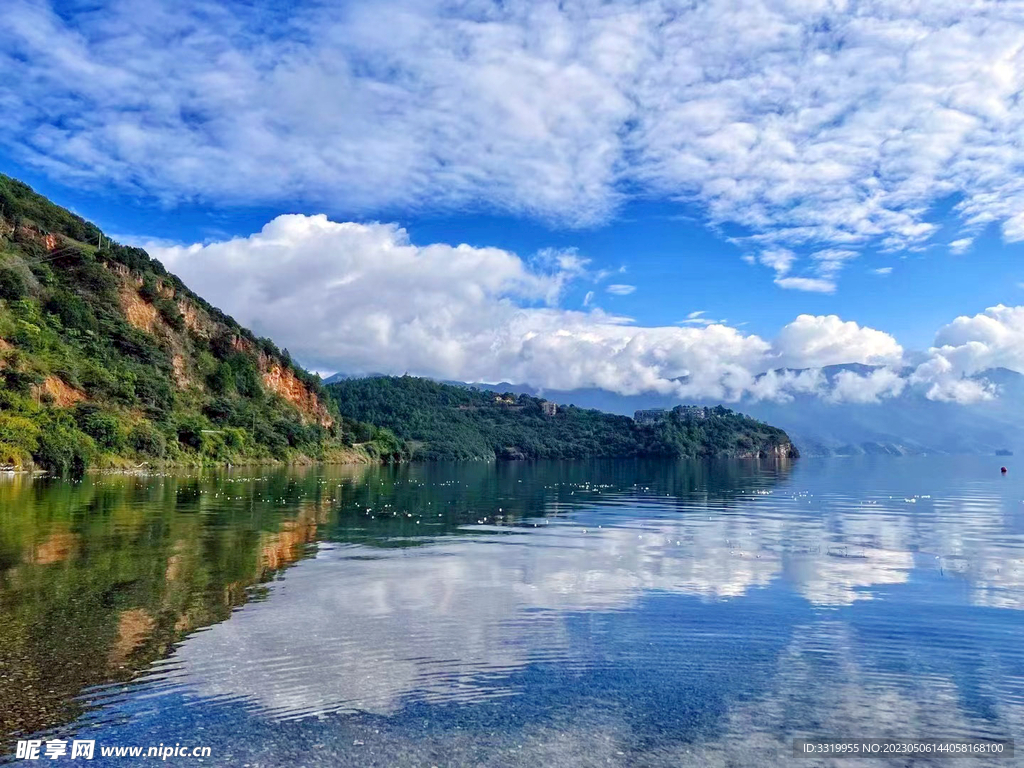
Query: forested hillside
x,y
106,359
442,421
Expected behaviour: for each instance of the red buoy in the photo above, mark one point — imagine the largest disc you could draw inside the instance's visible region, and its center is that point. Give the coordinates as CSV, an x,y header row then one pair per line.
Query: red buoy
x,y
1003,470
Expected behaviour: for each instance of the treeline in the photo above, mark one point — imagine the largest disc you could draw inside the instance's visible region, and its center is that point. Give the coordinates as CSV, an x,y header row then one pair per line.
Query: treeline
x,y
446,422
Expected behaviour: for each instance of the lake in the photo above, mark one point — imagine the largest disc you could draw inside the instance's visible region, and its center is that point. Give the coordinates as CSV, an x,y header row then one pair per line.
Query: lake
x,y
633,613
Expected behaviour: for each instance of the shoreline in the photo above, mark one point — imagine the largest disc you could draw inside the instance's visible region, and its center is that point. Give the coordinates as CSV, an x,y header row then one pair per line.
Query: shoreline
x,y
146,468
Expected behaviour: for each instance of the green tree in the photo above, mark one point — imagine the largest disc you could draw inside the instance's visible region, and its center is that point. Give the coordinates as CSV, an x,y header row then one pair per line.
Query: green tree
x,y
12,284
62,449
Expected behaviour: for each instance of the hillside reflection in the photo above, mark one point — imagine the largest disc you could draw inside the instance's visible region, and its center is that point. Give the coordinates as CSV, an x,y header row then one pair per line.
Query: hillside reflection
x,y
100,578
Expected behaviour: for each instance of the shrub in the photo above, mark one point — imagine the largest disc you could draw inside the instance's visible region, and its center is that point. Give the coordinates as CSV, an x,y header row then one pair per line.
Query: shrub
x,y
98,280
220,411
104,428
169,312
20,382
72,311
97,380
19,431
147,440
190,434
222,380
43,273
154,392
235,438
28,336
12,284
136,344
148,289
13,456
63,450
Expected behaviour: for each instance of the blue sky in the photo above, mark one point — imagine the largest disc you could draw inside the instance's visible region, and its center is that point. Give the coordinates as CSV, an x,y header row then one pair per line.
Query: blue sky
x,y
649,190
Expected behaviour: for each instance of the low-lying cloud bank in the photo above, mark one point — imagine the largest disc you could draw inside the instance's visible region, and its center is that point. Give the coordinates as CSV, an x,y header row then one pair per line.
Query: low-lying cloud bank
x,y
362,298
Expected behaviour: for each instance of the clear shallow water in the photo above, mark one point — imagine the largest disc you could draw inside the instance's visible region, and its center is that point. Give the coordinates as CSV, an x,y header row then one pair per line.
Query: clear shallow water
x,y
612,613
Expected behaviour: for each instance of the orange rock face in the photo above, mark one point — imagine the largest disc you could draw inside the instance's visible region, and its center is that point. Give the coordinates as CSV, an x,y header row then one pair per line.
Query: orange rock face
x,y
50,242
62,395
192,319
181,377
283,382
140,313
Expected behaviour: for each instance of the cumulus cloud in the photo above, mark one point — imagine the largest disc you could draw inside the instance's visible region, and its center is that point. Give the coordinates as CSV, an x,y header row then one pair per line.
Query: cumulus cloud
x,y
967,347
883,271
363,298
816,341
819,125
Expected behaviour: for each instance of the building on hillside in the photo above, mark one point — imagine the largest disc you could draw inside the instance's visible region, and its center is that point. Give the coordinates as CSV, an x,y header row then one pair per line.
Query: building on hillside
x,y
681,412
691,412
548,408
649,415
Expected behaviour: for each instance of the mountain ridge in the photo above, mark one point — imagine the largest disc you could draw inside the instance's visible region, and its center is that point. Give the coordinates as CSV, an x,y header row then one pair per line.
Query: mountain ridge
x,y
455,422
909,424
109,360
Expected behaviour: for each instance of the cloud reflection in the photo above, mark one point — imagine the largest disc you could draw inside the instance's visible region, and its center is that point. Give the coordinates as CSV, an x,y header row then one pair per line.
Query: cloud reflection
x,y
363,629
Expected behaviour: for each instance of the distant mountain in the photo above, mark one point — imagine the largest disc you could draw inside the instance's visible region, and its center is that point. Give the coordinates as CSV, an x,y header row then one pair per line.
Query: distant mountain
x,y
338,377
446,421
907,424
106,359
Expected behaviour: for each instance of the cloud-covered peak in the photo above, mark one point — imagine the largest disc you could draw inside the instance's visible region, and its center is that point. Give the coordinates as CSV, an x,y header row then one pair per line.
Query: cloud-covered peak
x,y
969,346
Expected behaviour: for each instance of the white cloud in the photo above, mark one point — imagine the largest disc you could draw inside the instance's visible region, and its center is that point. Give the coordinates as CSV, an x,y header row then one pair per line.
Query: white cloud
x,y
883,271
810,284
880,383
945,383
783,384
698,318
363,298
816,341
779,259
831,261
821,277
970,345
961,246
802,122
619,289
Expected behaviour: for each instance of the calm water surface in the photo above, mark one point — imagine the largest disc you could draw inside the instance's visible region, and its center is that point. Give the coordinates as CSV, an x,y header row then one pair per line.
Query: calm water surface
x,y
612,613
